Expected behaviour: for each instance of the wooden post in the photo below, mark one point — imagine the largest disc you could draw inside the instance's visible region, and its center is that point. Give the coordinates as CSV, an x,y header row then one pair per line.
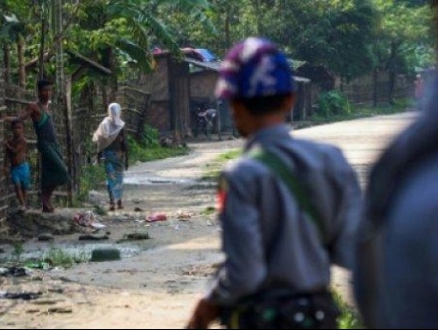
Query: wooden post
x,y
218,120
4,202
71,161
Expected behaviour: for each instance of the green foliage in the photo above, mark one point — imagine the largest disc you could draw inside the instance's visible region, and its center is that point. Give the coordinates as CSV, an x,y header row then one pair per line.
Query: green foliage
x,y
400,50
399,105
209,210
150,137
351,37
148,147
92,178
349,318
17,251
99,210
332,103
59,257
214,168
232,154
139,153
342,38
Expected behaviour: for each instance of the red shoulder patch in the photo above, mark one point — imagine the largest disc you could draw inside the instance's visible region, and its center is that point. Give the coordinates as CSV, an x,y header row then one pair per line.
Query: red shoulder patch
x,y
221,195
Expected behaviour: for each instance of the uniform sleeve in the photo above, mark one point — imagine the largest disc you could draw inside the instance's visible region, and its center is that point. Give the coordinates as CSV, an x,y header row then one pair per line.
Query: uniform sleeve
x,y
347,218
244,267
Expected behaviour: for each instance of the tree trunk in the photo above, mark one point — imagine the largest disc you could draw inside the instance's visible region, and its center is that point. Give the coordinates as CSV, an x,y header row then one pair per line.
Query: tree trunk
x,y
391,87
375,74
113,83
104,96
63,97
392,73
42,42
258,15
59,51
21,68
434,4
227,28
7,63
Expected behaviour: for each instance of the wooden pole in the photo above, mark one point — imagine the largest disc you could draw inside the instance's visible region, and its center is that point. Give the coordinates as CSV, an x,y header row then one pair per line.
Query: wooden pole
x,y
4,200
218,119
42,42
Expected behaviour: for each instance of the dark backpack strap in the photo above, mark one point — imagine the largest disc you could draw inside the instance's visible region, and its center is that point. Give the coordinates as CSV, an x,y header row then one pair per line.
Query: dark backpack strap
x,y
278,167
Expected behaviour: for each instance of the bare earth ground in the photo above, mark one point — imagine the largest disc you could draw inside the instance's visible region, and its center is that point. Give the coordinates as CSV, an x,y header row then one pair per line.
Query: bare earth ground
x,y
158,281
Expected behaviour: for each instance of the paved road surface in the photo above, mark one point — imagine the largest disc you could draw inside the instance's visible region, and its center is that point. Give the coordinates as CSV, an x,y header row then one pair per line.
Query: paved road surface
x,y
362,141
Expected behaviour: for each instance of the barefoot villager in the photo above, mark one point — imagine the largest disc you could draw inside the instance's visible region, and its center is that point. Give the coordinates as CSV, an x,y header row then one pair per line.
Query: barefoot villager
x,y
15,163
54,172
113,148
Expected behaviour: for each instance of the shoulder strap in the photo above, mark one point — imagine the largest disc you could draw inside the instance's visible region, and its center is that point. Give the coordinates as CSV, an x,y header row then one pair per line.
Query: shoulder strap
x,y
278,167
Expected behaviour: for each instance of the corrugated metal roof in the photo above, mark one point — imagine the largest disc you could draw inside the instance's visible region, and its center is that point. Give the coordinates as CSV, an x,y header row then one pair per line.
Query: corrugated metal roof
x,y
214,66
206,65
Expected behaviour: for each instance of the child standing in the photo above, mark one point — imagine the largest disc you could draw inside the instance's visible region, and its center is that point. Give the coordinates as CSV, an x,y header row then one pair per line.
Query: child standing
x,y
15,150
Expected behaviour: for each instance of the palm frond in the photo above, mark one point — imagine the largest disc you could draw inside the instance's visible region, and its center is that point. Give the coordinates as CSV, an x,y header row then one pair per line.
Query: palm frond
x,y
11,27
145,61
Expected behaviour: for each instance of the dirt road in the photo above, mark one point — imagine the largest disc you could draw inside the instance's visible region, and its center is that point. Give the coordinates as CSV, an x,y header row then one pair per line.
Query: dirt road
x,y
156,283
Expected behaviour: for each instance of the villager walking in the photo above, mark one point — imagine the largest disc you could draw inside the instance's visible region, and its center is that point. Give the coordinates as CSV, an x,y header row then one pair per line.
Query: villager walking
x,y
112,147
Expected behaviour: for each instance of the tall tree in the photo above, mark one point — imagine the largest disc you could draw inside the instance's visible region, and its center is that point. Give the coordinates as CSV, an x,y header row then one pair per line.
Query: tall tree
x,y
114,32
399,50
13,30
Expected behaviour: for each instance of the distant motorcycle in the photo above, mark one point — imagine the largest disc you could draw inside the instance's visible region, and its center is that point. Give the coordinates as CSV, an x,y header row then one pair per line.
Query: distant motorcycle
x,y
205,121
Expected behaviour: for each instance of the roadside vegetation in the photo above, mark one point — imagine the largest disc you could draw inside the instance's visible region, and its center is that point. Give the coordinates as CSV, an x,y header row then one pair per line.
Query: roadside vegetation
x,y
349,318
53,257
333,106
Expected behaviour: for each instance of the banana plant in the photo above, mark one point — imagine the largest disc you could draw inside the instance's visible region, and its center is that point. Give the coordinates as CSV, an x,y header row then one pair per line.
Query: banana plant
x,y
116,33
12,30
131,27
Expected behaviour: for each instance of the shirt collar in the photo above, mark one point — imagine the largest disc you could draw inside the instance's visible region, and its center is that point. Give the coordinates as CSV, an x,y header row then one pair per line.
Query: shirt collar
x,y
278,132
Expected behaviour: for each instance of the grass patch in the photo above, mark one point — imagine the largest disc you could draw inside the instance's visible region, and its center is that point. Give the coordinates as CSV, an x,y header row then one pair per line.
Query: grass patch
x,y
99,210
56,257
214,168
230,155
139,153
209,210
349,318
363,112
92,178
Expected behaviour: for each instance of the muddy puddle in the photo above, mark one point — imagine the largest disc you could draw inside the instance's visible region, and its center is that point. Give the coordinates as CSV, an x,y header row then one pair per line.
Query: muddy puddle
x,y
139,179
78,251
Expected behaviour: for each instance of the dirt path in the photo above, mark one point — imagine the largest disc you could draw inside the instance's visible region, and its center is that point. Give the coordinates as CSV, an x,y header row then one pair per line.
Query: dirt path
x,y
157,282
138,291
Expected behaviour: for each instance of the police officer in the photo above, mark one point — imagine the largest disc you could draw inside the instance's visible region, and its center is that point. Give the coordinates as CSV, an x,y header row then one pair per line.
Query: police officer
x,y
289,208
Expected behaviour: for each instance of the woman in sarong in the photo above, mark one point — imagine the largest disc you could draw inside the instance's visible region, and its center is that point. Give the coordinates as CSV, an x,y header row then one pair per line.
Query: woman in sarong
x,y
112,146
54,171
